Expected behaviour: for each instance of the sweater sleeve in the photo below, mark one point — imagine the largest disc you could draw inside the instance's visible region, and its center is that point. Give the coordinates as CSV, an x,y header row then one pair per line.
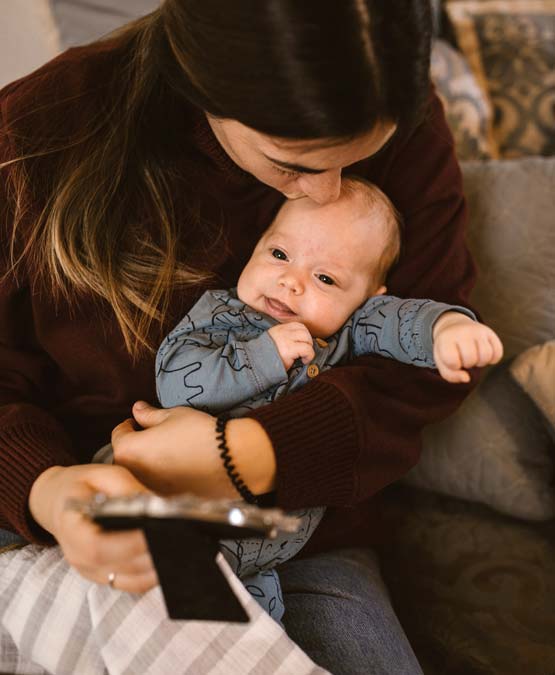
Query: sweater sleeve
x,y
31,440
356,428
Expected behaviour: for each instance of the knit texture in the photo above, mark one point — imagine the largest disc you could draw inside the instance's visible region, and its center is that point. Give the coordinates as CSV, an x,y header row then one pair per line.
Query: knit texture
x,y
65,373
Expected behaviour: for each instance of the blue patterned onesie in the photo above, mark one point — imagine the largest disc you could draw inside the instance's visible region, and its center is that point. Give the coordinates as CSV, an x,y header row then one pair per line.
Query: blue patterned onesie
x,y
220,358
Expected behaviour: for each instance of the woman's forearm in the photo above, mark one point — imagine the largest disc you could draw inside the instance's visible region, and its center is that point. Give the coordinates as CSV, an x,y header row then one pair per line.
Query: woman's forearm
x,y
252,453
177,451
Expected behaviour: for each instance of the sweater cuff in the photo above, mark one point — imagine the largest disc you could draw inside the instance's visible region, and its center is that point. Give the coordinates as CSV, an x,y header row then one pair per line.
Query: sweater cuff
x,y
28,450
298,439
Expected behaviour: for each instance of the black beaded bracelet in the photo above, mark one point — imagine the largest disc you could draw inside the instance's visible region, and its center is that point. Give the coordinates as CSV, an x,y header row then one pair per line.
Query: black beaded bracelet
x,y
231,471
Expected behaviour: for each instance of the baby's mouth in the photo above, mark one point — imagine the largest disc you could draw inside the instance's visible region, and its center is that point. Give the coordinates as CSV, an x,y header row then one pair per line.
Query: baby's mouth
x,y
277,309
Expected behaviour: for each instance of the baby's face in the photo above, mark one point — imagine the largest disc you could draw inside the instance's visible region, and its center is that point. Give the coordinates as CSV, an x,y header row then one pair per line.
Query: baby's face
x,y
314,264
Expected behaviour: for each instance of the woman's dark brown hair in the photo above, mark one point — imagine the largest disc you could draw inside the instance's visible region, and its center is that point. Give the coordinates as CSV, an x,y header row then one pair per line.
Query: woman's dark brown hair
x,y
297,69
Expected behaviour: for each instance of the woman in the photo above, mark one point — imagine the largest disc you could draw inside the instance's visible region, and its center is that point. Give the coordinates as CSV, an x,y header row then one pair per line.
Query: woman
x,y
139,171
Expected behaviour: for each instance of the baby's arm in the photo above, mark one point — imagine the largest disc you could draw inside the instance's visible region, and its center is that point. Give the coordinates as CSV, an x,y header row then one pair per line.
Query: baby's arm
x,y
461,343
425,333
203,364
397,328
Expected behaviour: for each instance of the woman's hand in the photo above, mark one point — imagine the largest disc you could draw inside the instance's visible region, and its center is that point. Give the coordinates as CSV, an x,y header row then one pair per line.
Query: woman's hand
x,y
95,554
176,451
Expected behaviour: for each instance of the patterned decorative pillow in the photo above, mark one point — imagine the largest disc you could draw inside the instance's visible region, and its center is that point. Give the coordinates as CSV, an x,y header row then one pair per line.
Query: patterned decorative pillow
x,y
510,46
467,107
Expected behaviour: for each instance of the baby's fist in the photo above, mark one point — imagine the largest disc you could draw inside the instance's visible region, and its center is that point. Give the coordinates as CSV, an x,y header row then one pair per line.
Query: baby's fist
x,y
461,343
293,341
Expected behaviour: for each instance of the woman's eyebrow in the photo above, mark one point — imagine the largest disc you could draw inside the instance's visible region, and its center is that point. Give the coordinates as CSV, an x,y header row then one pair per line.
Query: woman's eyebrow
x,y
294,167
306,169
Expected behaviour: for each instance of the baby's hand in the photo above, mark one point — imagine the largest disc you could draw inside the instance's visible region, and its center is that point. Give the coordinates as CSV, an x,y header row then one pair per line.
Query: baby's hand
x,y
293,341
460,342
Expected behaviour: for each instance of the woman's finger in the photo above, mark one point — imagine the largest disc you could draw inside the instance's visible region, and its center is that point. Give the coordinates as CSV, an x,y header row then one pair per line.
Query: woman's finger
x,y
135,583
86,545
135,567
123,431
138,582
119,547
149,416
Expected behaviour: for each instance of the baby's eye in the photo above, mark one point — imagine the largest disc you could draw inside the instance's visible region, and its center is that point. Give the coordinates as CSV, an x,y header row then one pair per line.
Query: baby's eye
x,y
325,279
279,254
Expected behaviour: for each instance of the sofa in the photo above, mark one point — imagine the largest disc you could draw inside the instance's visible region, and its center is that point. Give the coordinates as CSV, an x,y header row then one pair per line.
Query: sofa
x,y
471,566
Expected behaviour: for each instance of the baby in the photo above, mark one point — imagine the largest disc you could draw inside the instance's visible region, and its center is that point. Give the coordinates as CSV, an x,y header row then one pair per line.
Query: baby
x,y
312,296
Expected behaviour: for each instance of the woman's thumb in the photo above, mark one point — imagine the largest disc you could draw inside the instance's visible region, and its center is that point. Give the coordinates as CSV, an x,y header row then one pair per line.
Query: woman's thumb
x,y
147,415
117,482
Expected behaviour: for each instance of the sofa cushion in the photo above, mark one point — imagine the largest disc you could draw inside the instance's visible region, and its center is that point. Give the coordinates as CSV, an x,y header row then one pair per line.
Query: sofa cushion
x,y
474,589
495,449
512,236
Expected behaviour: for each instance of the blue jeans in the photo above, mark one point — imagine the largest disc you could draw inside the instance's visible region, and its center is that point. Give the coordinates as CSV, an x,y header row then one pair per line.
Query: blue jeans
x,y
338,610
7,538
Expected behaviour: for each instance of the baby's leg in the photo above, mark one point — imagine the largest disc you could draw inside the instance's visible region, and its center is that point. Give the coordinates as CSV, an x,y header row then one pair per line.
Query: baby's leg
x,y
254,560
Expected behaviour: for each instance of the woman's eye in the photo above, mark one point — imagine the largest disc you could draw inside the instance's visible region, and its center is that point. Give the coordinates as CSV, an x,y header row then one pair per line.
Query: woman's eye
x,y
284,172
325,279
279,254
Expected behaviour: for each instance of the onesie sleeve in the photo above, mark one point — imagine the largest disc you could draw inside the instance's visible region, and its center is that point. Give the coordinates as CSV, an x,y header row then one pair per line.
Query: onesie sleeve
x,y
206,362
399,329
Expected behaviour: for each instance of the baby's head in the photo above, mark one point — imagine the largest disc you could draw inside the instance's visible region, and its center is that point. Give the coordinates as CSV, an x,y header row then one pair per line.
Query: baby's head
x,y
317,264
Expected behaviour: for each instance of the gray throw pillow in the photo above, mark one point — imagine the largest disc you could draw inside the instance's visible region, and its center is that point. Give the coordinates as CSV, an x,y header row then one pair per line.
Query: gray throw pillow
x,y
495,449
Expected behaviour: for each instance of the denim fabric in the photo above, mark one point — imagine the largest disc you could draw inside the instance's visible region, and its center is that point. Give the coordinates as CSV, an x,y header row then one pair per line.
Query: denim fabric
x,y
8,538
338,610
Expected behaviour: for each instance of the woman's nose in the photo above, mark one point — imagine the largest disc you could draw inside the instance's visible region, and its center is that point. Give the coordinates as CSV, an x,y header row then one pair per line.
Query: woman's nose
x,y
322,188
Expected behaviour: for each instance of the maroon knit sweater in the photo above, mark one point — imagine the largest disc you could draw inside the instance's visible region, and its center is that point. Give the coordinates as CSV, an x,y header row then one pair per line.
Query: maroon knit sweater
x,y
66,379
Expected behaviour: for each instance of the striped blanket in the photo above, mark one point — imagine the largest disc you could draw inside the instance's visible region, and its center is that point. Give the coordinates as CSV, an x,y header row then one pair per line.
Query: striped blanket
x,y
54,621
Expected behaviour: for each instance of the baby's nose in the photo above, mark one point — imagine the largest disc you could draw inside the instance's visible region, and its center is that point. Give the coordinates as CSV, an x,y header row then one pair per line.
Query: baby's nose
x,y
292,282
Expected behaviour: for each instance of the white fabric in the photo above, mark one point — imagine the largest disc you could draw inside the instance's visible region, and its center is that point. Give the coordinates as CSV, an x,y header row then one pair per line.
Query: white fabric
x,y
28,37
54,621
81,21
